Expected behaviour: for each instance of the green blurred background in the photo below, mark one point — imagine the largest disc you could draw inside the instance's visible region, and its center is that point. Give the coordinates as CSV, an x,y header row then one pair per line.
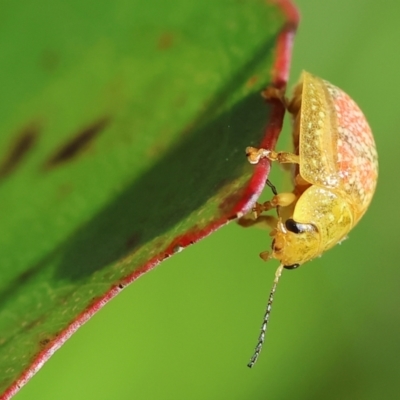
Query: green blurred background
x,y
336,322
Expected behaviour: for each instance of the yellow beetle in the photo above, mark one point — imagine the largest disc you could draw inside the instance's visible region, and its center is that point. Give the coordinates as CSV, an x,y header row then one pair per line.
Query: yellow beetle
x,y
335,175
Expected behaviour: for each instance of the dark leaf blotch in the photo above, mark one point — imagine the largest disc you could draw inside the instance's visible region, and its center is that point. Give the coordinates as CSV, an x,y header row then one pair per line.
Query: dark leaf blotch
x,y
19,149
74,146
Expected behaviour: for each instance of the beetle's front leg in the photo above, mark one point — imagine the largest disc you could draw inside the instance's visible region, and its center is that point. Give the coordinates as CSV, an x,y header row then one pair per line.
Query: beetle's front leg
x,y
254,217
263,221
279,200
254,155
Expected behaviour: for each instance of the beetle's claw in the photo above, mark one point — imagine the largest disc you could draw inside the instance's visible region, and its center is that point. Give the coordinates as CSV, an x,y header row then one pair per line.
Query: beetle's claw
x,y
272,93
265,255
254,155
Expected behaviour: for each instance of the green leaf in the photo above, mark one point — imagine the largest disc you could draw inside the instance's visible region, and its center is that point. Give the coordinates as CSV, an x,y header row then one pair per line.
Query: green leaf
x,y
123,127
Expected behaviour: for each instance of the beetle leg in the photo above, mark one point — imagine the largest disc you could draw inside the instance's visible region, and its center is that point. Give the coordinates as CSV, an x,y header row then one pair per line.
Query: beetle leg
x,y
279,200
273,93
300,181
254,155
263,221
265,255
283,199
292,106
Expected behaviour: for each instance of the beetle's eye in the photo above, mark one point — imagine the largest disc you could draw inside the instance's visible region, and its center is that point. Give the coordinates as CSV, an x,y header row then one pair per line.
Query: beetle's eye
x,y
294,266
296,227
293,226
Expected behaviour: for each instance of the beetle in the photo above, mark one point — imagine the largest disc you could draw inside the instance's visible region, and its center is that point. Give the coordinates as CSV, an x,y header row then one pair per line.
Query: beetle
x,y
335,170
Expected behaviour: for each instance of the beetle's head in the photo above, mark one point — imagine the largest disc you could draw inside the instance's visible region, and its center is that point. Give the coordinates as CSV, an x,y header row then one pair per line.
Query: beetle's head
x,y
295,243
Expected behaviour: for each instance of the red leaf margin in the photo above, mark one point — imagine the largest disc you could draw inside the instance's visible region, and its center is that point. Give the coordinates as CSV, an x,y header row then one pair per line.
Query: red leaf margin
x,y
280,74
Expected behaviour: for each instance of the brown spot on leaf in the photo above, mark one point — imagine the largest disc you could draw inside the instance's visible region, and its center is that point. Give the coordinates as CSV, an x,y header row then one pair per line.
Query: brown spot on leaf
x,y
180,101
165,41
35,323
49,60
24,277
133,240
79,142
18,149
251,81
64,190
156,150
44,342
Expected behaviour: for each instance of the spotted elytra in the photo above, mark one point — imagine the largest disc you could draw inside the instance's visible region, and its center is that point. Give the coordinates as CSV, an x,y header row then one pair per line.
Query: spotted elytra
x,y
335,175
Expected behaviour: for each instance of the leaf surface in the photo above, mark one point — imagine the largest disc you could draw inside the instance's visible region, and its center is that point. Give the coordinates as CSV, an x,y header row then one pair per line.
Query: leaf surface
x,y
123,127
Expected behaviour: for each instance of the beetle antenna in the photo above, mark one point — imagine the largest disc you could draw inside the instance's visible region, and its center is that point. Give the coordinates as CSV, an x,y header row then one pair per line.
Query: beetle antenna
x,y
275,192
261,338
272,186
